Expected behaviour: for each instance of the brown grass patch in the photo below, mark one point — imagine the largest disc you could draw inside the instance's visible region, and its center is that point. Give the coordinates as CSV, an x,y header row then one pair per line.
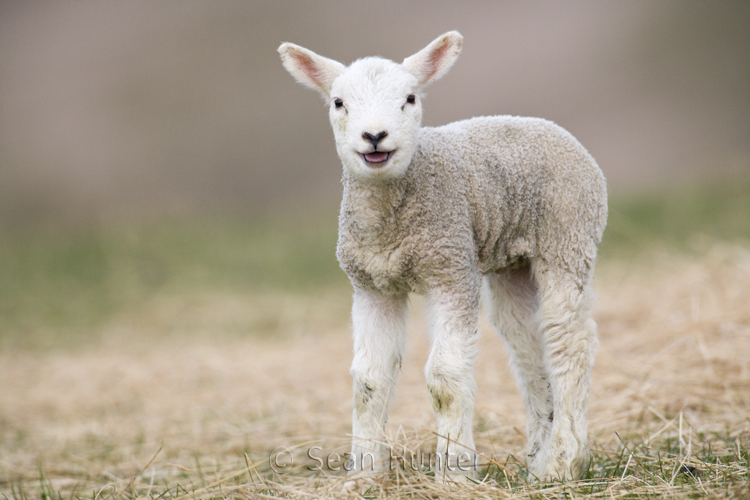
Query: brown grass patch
x,y
672,379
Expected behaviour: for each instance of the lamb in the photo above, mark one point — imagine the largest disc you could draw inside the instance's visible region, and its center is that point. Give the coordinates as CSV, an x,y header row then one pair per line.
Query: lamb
x,y
506,208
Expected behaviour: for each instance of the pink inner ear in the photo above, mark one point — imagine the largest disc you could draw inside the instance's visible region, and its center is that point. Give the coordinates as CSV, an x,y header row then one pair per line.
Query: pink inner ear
x,y
433,62
308,67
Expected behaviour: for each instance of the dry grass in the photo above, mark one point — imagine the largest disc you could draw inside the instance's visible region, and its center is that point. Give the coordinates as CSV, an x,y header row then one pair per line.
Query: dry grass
x,y
672,380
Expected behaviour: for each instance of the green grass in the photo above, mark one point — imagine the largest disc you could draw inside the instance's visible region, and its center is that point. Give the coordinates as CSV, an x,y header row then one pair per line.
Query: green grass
x,y
73,281
678,219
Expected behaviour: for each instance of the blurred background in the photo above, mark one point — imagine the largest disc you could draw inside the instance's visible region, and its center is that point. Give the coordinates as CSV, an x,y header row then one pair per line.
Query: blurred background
x,y
139,108
147,145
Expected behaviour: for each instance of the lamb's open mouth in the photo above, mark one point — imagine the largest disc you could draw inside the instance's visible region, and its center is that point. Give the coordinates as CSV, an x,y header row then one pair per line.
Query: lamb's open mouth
x,y
377,158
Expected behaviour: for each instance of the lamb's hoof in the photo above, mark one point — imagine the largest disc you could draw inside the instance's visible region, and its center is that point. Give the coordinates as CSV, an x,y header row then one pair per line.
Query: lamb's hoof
x,y
537,468
559,470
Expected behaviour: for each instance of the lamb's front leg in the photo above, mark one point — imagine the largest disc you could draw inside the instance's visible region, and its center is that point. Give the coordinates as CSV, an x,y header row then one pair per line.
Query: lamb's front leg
x,y
450,377
379,331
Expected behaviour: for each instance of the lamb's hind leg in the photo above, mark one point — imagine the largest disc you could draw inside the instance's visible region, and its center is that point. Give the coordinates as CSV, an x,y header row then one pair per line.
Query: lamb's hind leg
x,y
570,342
512,300
379,333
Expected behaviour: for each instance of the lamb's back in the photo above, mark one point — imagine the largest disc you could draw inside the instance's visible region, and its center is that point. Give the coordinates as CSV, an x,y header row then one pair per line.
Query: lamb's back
x,y
532,188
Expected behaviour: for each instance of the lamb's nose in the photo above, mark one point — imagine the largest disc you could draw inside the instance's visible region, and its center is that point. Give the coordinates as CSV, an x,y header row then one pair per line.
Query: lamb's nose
x,y
374,139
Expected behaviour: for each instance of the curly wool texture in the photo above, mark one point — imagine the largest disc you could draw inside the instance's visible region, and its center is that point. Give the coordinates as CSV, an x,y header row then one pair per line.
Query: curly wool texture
x,y
479,195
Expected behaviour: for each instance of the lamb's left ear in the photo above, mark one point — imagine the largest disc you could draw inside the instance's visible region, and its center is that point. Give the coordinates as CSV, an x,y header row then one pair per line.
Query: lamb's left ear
x,y
310,69
436,59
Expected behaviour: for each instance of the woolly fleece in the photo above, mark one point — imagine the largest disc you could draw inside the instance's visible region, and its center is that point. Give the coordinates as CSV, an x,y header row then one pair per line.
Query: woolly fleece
x,y
479,195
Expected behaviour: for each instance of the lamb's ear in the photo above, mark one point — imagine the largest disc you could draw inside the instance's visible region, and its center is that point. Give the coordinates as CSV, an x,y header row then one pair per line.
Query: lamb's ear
x,y
436,59
310,69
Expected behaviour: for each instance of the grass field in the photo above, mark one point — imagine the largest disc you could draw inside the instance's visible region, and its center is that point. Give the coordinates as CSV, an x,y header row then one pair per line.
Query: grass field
x,y
172,359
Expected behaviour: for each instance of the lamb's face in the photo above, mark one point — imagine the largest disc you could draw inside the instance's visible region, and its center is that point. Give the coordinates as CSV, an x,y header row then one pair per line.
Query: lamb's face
x,y
375,107
376,113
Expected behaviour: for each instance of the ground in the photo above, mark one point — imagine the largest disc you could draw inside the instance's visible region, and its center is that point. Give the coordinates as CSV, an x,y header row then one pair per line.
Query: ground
x,y
207,394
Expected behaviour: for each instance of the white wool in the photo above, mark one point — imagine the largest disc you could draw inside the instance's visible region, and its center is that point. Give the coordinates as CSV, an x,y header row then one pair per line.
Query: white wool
x,y
503,207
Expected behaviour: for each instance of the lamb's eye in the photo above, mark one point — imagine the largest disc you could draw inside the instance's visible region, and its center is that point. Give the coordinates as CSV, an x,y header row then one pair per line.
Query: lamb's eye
x,y
411,99
338,103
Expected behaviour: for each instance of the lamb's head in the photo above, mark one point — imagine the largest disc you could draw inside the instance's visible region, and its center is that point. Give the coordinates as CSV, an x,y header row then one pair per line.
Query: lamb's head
x,y
374,104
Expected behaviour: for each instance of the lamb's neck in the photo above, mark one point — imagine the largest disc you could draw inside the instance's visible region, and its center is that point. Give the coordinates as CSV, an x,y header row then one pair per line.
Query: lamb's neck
x,y
372,208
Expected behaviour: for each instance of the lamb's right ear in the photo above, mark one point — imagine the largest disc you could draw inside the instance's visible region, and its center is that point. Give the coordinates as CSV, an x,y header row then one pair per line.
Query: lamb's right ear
x,y
310,69
436,59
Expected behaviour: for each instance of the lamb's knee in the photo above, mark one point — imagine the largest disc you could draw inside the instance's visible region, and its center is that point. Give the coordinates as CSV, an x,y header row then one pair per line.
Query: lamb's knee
x,y
452,393
372,388
443,399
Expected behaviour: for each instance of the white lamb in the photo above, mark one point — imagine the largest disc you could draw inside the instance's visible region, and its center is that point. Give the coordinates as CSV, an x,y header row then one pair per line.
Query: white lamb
x,y
516,203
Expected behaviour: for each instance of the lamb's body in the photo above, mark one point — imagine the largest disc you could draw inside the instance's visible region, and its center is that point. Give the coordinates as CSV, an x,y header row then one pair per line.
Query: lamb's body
x,y
516,203
480,195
